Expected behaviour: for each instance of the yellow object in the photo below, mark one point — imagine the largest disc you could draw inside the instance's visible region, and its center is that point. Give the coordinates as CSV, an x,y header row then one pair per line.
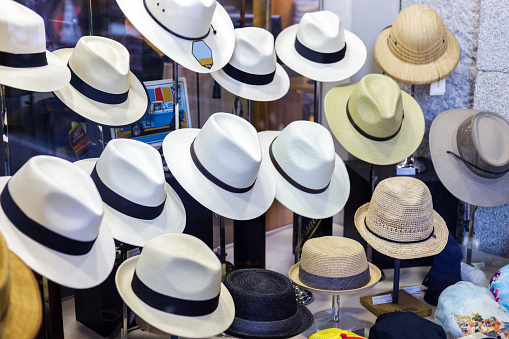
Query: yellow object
x,y
335,333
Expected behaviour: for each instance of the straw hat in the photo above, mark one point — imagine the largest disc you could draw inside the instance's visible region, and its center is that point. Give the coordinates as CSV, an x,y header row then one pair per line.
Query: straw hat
x,y
24,61
197,34
400,221
102,87
175,286
138,203
51,217
265,305
374,120
320,49
311,179
470,153
417,48
220,165
335,266
20,299
253,72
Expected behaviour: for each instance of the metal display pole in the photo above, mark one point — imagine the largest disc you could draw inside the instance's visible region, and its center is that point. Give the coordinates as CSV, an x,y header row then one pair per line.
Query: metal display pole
x,y
222,245
318,102
198,100
123,257
5,134
395,286
470,232
249,116
303,297
176,108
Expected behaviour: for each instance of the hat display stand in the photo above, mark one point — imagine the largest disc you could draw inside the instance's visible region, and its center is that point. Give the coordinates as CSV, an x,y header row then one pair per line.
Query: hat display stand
x,y
335,318
5,136
471,212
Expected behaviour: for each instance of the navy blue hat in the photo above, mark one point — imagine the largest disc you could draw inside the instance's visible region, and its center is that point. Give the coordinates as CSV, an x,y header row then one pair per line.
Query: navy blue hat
x,y
389,325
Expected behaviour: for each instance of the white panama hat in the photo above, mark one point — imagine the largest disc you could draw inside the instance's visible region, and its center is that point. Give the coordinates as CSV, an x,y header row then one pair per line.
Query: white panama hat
x,y
138,203
253,73
320,49
197,34
51,217
24,61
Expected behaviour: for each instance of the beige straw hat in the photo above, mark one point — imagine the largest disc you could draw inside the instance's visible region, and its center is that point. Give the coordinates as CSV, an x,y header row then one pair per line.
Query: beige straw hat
x,y
334,265
417,48
400,221
374,120
470,153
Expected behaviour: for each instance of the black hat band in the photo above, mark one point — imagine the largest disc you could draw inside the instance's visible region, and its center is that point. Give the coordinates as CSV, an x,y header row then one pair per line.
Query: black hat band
x,y
27,60
315,56
334,283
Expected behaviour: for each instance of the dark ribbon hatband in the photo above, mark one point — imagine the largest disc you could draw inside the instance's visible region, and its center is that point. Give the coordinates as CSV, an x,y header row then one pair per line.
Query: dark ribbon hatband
x,y
322,58
123,205
248,78
399,242
165,303
335,283
265,328
214,179
23,60
39,233
369,136
94,93
289,179
476,167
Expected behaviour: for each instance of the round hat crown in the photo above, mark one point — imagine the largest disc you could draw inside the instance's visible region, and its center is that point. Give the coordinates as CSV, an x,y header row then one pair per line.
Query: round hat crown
x,y
491,134
401,209
321,31
254,51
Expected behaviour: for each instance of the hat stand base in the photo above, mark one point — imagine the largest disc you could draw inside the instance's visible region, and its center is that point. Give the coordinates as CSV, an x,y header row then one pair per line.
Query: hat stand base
x,y
406,303
335,318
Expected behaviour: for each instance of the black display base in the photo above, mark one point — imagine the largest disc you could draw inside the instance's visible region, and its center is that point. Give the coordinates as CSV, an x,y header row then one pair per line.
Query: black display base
x,y
249,240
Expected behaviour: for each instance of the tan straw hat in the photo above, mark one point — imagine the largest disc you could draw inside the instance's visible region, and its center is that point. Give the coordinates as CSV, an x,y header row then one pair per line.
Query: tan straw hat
x,y
417,48
400,222
470,153
20,299
334,265
374,120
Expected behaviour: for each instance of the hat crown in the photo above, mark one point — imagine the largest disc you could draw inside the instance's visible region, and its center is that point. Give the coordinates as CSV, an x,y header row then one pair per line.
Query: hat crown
x,y
254,51
180,266
102,63
376,105
401,209
321,31
491,135
188,18
305,151
21,29
229,148
133,170
59,196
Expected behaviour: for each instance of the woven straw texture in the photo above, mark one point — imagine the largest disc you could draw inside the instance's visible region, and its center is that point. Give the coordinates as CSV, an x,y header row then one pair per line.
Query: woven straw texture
x,y
401,210
417,48
334,257
376,105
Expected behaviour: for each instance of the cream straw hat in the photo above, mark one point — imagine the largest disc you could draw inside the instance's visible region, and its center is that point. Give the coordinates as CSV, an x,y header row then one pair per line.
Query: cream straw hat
x,y
400,222
417,48
374,120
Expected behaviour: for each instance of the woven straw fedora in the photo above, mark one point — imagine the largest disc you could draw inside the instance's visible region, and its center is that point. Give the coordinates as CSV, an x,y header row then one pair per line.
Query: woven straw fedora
x,y
311,179
320,49
24,61
138,203
400,222
265,305
20,300
417,48
374,120
198,34
470,153
175,286
51,217
220,165
102,87
253,72
335,266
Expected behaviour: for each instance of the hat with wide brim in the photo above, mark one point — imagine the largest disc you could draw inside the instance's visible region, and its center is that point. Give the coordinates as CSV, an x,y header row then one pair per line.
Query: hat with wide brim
x,y
453,173
402,145
318,206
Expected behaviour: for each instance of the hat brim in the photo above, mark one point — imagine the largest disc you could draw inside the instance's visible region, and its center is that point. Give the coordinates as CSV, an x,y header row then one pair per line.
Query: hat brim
x,y
432,246
315,206
387,152
190,327
126,113
269,92
55,75
135,231
453,173
74,271
417,74
222,43
354,59
24,315
374,273
237,206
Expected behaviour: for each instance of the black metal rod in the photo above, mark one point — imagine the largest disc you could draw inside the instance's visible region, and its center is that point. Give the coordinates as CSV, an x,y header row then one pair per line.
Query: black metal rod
x,y
176,108
395,288
222,239
197,100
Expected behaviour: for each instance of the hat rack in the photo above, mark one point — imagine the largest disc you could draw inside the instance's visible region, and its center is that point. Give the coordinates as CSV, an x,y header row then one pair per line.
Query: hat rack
x,y
335,318
5,136
471,218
